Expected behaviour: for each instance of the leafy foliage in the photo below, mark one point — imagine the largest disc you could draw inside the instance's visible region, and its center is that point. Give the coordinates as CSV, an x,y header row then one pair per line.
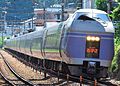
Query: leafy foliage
x,y
101,4
115,64
116,13
117,33
1,41
118,0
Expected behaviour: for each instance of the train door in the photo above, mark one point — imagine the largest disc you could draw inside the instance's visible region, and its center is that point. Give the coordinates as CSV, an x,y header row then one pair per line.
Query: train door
x,y
22,44
51,45
43,43
36,46
63,44
28,44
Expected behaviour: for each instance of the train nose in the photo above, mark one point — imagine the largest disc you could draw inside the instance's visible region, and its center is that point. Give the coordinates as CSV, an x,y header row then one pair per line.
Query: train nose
x,y
91,68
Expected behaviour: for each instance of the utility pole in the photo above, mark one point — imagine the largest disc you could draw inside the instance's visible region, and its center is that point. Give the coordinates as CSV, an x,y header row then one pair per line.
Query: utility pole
x,y
80,4
2,38
32,23
4,27
62,14
24,26
12,27
44,16
109,4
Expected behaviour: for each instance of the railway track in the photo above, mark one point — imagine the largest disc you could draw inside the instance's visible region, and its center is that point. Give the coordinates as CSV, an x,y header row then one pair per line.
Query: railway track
x,y
78,81
3,80
75,81
54,80
13,78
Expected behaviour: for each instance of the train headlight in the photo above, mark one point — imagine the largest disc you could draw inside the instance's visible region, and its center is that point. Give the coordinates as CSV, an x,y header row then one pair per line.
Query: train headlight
x,y
97,38
88,38
93,38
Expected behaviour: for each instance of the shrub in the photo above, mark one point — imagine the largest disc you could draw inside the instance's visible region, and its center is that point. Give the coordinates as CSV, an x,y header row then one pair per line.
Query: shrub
x,y
114,66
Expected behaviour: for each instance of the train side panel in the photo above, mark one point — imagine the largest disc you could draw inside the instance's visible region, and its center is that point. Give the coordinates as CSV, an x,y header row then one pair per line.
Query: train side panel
x,y
52,43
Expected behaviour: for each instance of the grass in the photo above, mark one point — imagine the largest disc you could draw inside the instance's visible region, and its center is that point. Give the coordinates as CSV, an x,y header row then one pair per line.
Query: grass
x,y
0,41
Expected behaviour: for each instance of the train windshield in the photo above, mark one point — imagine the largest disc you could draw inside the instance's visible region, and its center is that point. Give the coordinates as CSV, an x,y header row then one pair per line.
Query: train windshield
x,y
96,16
102,17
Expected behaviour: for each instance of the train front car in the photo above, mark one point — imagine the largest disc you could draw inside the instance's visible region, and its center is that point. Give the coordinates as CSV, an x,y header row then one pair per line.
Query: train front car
x,y
89,43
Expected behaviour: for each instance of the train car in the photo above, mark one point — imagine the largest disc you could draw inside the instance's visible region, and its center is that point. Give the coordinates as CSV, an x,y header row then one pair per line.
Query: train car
x,y
81,45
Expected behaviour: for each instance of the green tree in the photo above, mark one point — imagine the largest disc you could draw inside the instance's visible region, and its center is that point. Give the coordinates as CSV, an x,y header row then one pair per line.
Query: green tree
x,y
116,13
118,0
101,4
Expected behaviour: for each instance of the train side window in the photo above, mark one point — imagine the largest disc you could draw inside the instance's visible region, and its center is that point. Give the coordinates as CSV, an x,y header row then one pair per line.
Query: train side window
x,y
27,42
36,44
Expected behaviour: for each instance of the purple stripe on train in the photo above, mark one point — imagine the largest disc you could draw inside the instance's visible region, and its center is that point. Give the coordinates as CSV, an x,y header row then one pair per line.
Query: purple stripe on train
x,y
76,46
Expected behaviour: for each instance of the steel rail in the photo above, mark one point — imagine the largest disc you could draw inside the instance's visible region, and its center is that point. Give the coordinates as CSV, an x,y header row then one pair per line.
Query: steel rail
x,y
6,80
73,78
27,82
77,79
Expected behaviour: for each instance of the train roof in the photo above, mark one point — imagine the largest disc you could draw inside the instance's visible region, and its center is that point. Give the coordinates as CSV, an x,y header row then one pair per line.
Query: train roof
x,y
100,22
91,11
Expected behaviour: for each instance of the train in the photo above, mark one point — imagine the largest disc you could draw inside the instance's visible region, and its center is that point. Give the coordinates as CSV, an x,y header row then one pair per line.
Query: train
x,y
81,45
